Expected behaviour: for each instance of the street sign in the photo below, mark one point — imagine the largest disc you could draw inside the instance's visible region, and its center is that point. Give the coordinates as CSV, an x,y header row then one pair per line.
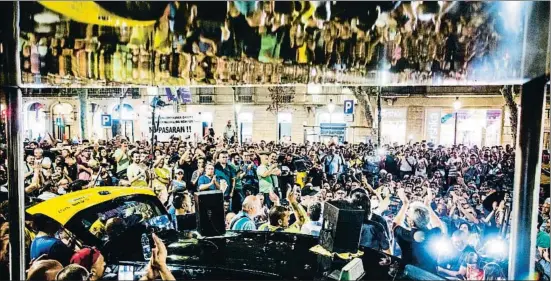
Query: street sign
x,y
349,110
348,107
446,117
106,120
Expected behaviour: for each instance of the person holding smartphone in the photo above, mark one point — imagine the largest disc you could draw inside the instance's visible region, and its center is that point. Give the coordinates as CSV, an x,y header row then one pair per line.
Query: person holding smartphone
x,y
265,180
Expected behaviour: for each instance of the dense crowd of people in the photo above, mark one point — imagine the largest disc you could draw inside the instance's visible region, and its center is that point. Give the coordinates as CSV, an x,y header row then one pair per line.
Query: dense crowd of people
x,y
444,209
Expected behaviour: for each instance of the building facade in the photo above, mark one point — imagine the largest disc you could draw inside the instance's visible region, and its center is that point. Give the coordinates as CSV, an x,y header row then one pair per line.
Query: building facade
x,y
313,113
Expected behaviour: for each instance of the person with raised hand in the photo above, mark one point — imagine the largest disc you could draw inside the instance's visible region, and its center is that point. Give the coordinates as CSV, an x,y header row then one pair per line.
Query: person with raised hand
x,y
157,266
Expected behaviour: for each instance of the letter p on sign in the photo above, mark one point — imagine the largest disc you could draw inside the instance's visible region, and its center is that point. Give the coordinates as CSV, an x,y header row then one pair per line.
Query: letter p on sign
x,y
348,107
106,120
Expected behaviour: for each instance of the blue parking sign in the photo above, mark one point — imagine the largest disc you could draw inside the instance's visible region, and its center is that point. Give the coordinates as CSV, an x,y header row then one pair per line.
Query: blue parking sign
x,y
106,120
348,107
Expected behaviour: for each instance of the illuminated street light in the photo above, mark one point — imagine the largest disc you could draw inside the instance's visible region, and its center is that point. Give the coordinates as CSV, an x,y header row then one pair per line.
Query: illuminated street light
x,y
237,108
456,104
331,108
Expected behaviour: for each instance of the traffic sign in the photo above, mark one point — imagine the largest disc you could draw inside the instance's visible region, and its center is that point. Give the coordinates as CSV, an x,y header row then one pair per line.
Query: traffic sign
x,y
348,107
106,120
349,110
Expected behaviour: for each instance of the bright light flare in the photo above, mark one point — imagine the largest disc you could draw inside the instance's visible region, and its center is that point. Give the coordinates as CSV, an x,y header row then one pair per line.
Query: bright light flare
x,y
442,246
496,248
511,13
237,108
456,105
331,106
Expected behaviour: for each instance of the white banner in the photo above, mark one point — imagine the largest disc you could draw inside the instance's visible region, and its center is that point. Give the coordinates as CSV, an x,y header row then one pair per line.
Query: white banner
x,y
183,125
432,129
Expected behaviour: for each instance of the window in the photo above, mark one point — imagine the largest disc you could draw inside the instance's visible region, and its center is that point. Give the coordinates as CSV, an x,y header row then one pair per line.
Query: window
x,y
95,128
116,217
206,95
206,121
245,120
285,122
336,117
245,99
126,114
35,121
245,94
206,99
394,123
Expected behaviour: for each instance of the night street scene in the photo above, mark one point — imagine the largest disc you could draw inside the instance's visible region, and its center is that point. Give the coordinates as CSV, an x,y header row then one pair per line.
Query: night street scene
x,y
275,140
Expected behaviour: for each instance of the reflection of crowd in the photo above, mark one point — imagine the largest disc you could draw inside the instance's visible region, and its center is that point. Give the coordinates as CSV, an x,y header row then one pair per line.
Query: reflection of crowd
x,y
287,42
458,198
414,41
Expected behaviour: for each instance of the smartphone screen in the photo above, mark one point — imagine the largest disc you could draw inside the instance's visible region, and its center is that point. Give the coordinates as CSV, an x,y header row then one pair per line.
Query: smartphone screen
x,y
146,246
126,272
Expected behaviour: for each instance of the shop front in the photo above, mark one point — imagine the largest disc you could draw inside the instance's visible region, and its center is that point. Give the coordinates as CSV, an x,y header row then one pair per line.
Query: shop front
x,y
332,127
63,117
394,124
481,127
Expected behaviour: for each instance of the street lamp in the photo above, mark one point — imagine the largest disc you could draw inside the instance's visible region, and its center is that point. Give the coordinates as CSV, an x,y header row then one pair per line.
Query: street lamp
x,y
456,107
331,108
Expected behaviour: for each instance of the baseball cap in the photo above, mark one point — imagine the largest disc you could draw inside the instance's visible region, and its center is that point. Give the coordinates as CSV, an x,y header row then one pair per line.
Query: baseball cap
x,y
308,190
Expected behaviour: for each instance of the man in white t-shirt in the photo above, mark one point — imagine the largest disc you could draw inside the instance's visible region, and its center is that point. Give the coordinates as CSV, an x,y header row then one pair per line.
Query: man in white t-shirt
x,y
136,173
229,132
407,163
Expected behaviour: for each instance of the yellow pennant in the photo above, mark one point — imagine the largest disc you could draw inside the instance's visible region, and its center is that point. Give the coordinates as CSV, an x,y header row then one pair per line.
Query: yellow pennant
x,y
91,13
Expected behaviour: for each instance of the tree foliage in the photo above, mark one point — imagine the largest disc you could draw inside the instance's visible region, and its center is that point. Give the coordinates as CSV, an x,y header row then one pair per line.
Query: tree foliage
x,y
508,94
281,98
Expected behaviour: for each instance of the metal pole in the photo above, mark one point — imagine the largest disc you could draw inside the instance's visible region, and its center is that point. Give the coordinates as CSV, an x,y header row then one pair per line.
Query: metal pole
x,y
14,132
83,103
455,130
522,248
237,131
379,117
121,105
153,130
15,186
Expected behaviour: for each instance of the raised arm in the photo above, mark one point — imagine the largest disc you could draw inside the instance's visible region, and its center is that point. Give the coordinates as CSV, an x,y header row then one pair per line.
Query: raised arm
x,y
300,213
401,216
